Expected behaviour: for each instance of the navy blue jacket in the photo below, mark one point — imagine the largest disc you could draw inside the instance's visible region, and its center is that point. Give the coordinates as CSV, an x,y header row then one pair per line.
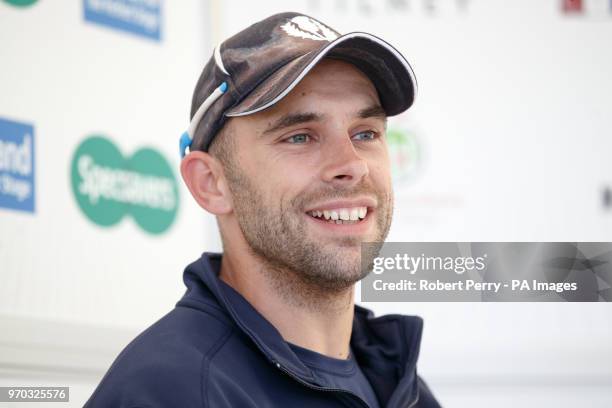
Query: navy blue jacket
x,y
209,353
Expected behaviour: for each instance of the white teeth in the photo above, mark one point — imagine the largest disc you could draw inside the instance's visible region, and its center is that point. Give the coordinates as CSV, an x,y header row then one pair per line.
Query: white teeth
x,y
362,212
344,214
341,214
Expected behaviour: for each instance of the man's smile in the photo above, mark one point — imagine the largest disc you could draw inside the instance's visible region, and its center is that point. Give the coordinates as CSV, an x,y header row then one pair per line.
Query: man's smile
x,y
350,215
345,216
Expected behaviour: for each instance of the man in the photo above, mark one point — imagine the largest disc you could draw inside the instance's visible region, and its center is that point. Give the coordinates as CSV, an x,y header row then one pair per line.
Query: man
x,y
287,149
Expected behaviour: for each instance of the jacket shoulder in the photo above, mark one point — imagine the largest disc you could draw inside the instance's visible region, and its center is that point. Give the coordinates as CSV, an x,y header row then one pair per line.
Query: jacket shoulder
x,y
164,365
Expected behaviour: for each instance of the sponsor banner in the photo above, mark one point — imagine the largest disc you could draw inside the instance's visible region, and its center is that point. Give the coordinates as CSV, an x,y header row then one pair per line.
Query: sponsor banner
x,y
17,172
140,17
487,272
108,186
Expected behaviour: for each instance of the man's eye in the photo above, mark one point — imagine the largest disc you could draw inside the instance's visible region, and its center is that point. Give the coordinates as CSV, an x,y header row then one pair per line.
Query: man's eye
x,y
367,135
298,139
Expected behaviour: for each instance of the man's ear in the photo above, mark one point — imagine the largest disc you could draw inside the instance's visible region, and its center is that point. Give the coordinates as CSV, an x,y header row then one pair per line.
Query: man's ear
x,y
203,175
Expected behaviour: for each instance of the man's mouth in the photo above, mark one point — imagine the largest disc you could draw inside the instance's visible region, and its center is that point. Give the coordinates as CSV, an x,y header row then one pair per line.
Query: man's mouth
x,y
351,215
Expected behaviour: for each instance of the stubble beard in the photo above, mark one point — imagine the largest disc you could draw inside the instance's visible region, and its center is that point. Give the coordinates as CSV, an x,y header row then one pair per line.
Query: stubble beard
x,y
277,234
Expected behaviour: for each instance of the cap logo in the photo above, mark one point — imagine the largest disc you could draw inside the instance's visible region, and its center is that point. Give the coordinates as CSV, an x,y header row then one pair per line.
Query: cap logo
x,y
306,27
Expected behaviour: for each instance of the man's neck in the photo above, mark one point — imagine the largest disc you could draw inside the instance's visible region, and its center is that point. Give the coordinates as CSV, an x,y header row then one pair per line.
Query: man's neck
x,y
304,314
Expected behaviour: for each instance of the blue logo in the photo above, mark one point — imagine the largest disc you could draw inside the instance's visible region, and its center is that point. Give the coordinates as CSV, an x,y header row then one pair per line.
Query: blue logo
x,y
16,166
140,17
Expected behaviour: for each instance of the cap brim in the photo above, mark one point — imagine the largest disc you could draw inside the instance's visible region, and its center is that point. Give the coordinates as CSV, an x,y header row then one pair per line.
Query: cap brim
x,y
388,70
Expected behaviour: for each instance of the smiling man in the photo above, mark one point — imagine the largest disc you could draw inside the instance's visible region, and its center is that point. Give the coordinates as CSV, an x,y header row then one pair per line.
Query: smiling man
x,y
288,150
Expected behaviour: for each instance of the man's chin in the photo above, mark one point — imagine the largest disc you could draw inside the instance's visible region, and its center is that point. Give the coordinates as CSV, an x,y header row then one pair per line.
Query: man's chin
x,y
340,262
346,243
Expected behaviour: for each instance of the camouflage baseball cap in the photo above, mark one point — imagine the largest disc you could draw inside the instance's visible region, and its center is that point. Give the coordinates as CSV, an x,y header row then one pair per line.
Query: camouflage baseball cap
x,y
260,65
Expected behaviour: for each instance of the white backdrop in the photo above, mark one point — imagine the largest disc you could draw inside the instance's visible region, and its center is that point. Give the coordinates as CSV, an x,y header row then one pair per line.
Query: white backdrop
x,y
72,294
509,141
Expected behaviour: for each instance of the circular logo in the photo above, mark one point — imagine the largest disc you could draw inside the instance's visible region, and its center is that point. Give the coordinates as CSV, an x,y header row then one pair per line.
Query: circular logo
x,y
108,186
405,154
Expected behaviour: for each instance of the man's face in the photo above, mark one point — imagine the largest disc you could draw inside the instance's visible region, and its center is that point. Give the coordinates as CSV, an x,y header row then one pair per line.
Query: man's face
x,y
319,153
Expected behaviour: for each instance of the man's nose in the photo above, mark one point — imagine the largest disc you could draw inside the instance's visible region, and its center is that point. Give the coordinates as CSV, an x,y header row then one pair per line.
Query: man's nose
x,y
344,167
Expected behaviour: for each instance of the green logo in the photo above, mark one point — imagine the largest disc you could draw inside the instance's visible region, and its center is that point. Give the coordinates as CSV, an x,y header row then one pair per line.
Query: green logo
x,y
405,154
20,3
108,186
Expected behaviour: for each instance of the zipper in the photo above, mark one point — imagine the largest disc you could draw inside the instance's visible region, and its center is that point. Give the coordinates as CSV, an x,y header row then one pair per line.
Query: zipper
x,y
318,388
338,390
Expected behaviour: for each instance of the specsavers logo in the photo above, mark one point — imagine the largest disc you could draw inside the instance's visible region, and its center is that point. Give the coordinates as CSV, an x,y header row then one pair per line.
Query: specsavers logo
x,y
21,3
108,186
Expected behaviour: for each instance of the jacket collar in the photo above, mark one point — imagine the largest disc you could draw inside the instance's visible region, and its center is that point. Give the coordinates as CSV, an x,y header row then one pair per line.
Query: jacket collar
x,y
386,347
